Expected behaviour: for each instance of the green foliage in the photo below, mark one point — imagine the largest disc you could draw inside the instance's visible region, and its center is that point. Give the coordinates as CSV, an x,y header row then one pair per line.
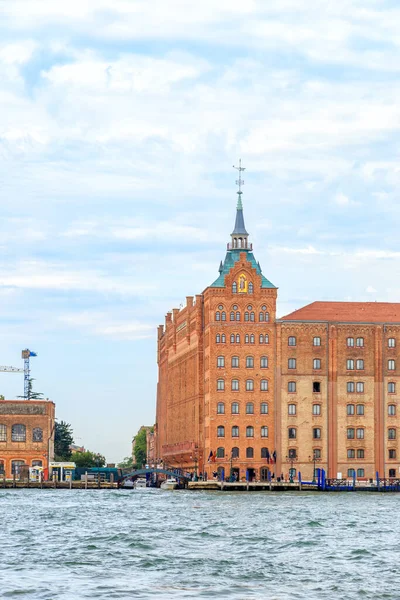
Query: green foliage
x,y
63,438
126,463
31,394
140,448
88,459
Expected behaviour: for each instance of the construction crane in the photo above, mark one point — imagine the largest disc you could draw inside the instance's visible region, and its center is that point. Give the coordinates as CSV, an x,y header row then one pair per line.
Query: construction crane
x,y
26,354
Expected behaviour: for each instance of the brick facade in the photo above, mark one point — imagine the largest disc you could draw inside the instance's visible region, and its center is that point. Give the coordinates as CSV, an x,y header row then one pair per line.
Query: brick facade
x,y
26,434
238,387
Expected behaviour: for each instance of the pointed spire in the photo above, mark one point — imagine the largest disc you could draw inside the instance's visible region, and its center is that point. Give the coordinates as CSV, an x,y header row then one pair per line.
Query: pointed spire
x,y
221,267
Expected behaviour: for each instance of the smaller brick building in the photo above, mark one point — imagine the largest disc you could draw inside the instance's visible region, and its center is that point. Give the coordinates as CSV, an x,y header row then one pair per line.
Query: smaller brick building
x,y
26,434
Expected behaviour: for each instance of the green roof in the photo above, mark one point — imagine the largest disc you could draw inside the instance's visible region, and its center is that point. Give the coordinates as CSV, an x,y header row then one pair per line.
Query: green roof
x,y
232,257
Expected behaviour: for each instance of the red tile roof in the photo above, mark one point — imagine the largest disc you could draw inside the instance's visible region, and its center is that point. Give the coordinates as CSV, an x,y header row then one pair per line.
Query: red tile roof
x,y
347,312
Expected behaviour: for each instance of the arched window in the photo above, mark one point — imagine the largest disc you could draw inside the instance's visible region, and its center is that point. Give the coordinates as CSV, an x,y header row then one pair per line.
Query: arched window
x,y
223,338
220,408
360,342
252,338
220,431
351,473
261,317
246,338
246,316
391,410
392,433
350,364
317,341
266,317
220,452
249,431
234,287
292,409
37,434
391,387
235,408
360,364
252,317
264,431
249,362
16,466
235,385
232,316
316,363
235,452
261,339
264,408
217,316
220,362
249,408
350,433
264,385
220,384
291,340
350,342
291,386
218,338
232,338
264,362
37,463
237,316
235,362
3,433
237,338
249,452
18,434
316,433
266,339
391,365
265,453
292,433
291,363
250,288
223,316
235,431
249,385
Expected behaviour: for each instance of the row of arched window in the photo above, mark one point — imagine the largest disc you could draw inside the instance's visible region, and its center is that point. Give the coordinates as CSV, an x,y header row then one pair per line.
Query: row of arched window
x,y
249,385
250,287
236,452
235,431
350,341
249,338
249,362
249,408
263,317
16,465
18,433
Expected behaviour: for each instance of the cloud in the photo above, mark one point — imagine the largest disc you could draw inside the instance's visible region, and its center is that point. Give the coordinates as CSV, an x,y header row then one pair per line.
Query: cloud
x,y
341,199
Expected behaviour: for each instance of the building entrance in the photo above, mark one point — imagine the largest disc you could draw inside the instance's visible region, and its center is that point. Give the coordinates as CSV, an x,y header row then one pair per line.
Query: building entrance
x,y
251,475
264,474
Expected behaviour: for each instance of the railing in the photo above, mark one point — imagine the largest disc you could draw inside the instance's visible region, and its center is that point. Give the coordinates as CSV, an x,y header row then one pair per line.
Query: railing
x,y
231,246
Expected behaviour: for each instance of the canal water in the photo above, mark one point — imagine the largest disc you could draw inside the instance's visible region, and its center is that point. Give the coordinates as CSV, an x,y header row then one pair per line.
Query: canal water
x,y
73,544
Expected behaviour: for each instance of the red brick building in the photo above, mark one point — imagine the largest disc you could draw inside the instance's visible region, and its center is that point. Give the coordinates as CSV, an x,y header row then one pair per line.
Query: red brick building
x,y
26,434
242,391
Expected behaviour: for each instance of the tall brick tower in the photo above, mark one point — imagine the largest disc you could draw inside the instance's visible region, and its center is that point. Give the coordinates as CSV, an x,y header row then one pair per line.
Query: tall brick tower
x,y
215,401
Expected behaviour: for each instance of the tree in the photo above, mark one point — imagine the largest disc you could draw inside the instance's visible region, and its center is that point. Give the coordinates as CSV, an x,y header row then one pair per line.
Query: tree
x,y
63,438
31,394
88,459
140,450
126,463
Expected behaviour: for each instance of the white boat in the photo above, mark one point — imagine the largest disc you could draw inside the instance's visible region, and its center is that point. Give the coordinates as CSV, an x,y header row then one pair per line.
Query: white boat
x,y
140,483
169,484
128,484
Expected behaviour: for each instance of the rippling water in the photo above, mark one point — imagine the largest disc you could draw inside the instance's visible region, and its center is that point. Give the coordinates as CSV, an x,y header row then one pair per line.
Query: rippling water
x,y
154,543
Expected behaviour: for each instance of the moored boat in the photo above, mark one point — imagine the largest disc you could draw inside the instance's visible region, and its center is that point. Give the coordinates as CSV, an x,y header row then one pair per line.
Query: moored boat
x,y
169,484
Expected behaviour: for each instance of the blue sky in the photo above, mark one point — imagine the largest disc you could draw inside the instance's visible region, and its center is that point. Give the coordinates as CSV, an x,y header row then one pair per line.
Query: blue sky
x,y
119,125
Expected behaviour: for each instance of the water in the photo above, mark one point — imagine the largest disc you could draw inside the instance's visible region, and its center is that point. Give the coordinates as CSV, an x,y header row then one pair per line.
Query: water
x,y
162,544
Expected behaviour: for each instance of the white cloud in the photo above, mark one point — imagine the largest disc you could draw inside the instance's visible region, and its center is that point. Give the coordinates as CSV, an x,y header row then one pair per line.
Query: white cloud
x,y
341,199
370,290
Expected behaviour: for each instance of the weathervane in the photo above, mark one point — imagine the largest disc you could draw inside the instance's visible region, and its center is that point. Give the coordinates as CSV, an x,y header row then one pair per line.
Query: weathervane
x,y
240,182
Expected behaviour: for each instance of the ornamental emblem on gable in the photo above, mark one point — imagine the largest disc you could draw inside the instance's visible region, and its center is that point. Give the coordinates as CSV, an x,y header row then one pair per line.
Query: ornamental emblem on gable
x,y
242,283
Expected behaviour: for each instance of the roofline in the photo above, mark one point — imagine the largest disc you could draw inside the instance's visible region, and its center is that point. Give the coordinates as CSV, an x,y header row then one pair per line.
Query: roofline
x,y
338,322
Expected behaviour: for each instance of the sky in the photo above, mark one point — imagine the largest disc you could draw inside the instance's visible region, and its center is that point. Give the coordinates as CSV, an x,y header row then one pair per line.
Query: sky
x,y
119,125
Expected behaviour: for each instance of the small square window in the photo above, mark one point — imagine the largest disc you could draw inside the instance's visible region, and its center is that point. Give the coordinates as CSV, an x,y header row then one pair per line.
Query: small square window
x,y
316,387
317,341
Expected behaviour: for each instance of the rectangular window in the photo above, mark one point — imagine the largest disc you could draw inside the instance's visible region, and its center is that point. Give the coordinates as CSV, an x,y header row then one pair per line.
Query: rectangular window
x,y
360,365
292,433
316,433
360,387
249,362
391,410
235,362
317,341
316,409
360,453
317,453
351,453
220,384
291,341
3,433
392,343
391,365
392,453
220,408
316,387
316,363
220,361
360,343
360,409
350,387
350,364
350,434
249,385
360,472
350,342
292,363
292,453
291,386
291,409
350,409
235,385
391,387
